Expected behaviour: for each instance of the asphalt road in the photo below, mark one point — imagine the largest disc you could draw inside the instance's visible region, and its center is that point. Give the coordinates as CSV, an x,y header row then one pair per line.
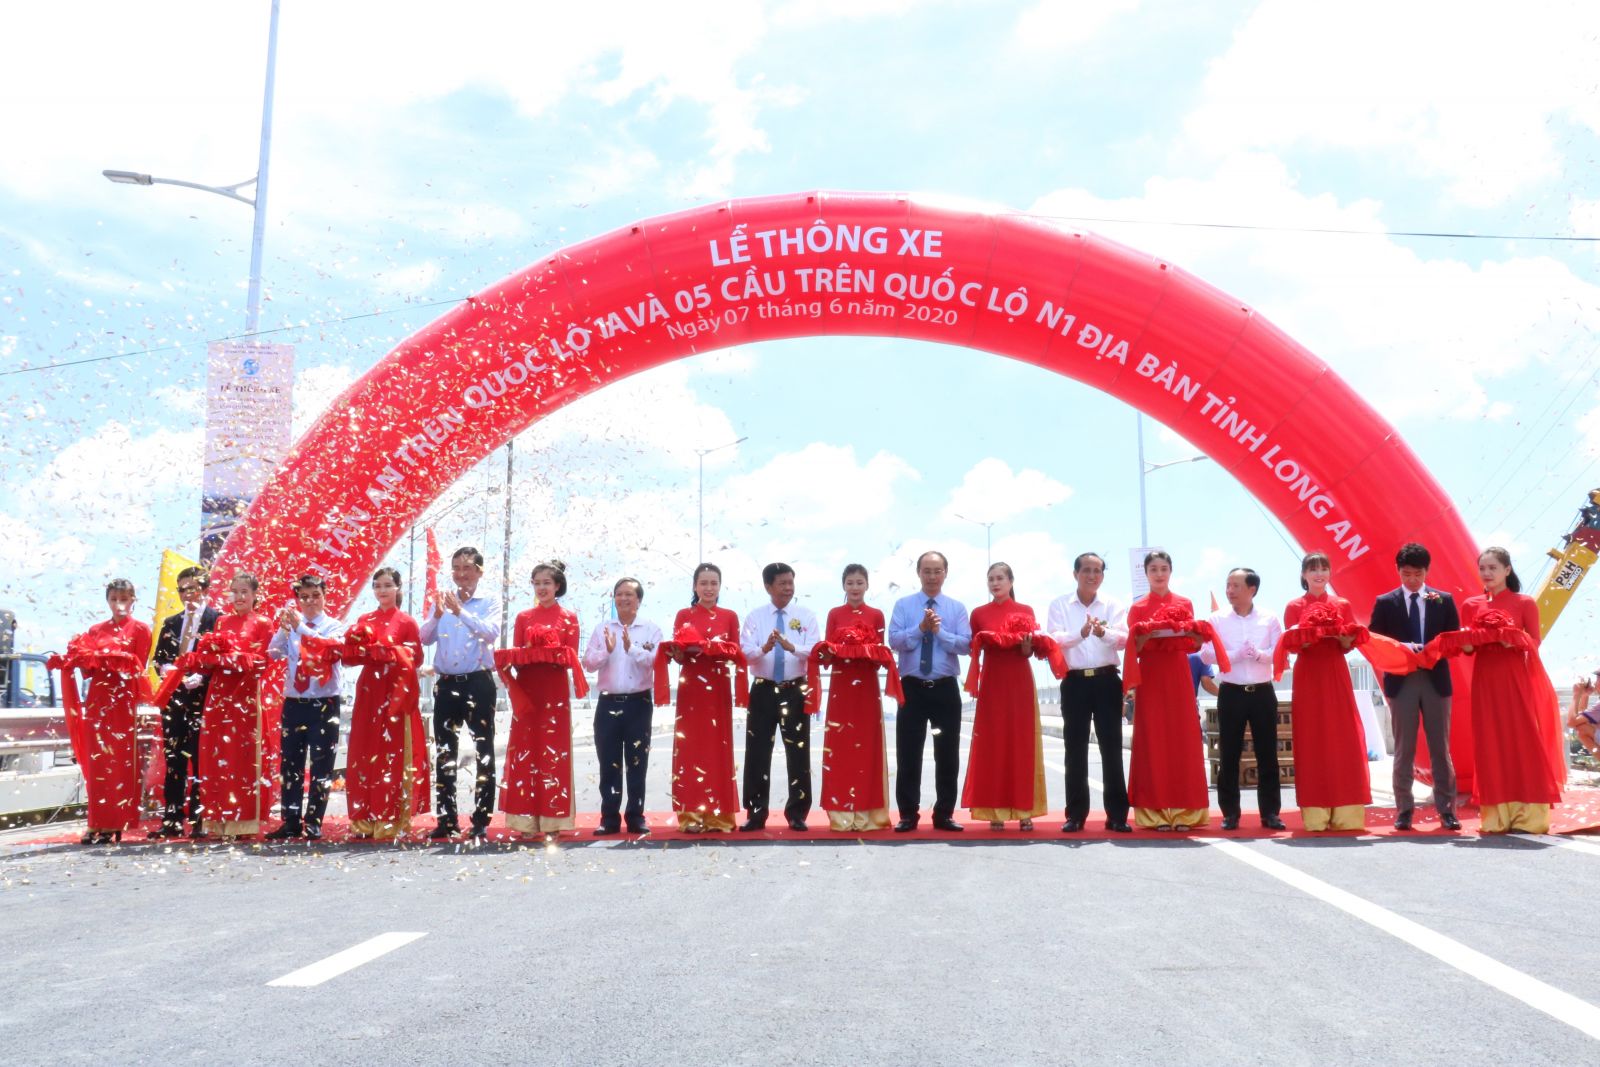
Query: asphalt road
x,y
1039,949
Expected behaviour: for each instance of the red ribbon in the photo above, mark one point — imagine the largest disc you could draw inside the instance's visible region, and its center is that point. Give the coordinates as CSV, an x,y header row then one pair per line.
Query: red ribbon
x,y
83,655
853,643
691,642
1183,624
1324,622
1016,628
214,651
545,647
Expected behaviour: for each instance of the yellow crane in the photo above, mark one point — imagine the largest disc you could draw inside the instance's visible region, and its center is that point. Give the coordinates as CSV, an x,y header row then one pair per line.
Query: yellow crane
x,y
1573,560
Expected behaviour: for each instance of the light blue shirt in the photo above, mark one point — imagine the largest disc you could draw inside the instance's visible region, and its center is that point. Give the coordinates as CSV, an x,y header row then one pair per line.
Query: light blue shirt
x,y
464,643
953,639
286,645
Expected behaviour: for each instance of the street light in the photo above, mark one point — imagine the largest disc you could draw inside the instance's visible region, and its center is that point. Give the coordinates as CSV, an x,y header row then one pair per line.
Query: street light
x,y
258,202
219,515
988,529
1146,468
700,497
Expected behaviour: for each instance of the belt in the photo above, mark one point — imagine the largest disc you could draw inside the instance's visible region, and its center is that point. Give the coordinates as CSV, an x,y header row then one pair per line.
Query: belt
x,y
785,684
1251,688
1090,672
469,674
626,696
927,683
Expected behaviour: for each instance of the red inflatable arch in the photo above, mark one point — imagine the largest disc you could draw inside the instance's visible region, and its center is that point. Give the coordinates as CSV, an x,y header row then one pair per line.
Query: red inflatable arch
x,y
1315,454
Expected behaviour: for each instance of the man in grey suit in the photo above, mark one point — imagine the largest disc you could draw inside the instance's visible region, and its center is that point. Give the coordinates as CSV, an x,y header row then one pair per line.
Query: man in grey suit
x,y
1413,615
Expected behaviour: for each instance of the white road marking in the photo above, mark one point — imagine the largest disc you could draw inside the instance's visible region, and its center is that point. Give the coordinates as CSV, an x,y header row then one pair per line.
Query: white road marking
x,y
1567,842
1559,1005
348,960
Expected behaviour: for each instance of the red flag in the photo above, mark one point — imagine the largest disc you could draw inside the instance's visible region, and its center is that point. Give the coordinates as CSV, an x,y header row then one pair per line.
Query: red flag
x,y
430,592
1213,602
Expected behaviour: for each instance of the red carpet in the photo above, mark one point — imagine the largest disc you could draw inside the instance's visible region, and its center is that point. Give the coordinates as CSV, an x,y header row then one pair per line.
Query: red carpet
x,y
1579,813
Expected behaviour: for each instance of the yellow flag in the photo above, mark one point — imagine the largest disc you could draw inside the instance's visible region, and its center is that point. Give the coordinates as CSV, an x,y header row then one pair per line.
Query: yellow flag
x,y
168,602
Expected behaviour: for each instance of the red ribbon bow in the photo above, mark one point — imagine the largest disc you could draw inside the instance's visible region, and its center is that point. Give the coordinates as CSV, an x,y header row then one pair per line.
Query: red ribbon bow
x,y
545,647
691,642
1182,624
1011,634
854,642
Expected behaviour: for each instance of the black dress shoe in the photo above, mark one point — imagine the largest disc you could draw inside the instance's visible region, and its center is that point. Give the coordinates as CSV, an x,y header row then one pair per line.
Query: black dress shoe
x,y
164,831
1119,828
478,833
905,826
1230,822
798,825
604,831
314,831
1272,822
197,830
444,831
1072,826
751,826
640,828
283,833
1403,822
948,825
1449,822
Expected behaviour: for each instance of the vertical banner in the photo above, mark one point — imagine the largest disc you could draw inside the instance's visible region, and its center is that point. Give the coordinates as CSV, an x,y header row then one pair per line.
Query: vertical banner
x,y
167,601
249,407
430,591
1136,577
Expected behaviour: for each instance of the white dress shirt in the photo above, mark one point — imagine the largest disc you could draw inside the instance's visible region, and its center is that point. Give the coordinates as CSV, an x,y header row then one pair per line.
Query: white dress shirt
x,y
623,670
1064,622
465,642
1260,629
761,622
1422,610
285,645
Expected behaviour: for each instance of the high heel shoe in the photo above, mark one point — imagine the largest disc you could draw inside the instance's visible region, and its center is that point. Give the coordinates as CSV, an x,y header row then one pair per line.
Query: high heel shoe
x,y
995,826
88,837
1026,825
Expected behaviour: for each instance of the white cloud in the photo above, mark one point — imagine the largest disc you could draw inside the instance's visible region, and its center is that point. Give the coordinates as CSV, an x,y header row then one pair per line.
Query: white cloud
x,y
1051,25
351,78
1360,303
992,492
1466,93
818,487
111,480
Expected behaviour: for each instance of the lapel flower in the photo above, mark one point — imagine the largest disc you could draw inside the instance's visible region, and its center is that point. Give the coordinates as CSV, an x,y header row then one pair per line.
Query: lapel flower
x,y
794,624
1432,596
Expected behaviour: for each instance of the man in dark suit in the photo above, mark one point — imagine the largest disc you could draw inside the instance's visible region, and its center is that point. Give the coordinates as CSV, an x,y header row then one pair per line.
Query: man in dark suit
x,y
1414,614
180,719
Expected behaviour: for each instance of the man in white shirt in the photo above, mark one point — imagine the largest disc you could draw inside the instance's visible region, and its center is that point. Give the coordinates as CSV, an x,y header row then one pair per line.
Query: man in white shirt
x,y
1092,630
777,637
463,630
310,711
1245,697
623,651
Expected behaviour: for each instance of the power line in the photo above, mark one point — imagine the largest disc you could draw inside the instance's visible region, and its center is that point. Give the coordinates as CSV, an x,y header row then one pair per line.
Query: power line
x,y
1316,229
232,337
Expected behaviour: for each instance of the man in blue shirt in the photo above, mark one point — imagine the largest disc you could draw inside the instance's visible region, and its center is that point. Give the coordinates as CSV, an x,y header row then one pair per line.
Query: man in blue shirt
x,y
930,631
463,630
310,711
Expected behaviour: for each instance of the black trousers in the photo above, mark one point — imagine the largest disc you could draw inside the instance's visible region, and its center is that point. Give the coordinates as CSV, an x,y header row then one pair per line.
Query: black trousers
x,y
936,704
180,743
622,743
1094,699
777,709
310,728
1257,707
464,700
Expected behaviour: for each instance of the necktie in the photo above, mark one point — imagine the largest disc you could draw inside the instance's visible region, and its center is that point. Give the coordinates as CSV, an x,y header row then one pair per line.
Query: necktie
x,y
186,639
1416,620
925,664
777,653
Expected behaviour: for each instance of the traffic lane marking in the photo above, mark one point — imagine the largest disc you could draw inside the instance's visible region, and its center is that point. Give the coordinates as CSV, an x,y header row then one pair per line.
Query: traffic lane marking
x,y
1556,1003
316,973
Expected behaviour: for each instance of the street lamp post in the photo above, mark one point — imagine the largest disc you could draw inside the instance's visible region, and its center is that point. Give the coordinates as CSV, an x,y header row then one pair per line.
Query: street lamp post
x,y
1146,468
700,497
988,530
215,524
258,202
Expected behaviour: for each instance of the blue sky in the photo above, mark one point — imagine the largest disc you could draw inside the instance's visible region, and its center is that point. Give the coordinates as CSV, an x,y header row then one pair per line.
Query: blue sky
x,y
421,155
